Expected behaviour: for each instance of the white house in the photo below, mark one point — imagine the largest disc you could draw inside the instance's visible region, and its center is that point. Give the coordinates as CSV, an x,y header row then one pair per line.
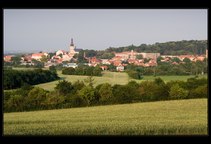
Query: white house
x,y
38,56
73,65
120,68
61,52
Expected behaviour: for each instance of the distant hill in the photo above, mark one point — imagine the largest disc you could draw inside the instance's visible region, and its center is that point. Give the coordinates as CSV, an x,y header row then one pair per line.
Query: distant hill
x,y
167,48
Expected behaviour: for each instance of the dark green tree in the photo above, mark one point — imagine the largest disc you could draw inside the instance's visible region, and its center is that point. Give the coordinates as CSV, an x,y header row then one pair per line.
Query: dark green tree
x,y
64,87
90,81
88,94
105,93
35,99
16,60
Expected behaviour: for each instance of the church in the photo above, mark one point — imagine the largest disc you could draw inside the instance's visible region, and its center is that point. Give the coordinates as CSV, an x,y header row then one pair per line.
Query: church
x,y
66,56
73,49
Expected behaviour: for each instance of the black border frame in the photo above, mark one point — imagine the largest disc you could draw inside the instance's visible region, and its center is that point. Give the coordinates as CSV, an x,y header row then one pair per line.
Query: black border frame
x,y
103,4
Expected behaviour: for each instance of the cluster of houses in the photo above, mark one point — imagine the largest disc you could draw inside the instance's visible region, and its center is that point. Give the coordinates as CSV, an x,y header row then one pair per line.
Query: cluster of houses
x,y
120,60
193,58
59,57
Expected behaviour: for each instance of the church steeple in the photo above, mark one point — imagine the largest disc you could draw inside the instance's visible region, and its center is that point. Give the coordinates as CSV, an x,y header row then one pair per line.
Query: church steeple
x,y
71,42
72,47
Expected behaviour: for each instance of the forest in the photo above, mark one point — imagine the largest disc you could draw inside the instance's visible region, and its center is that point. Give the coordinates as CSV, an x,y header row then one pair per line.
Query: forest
x,y
18,78
194,47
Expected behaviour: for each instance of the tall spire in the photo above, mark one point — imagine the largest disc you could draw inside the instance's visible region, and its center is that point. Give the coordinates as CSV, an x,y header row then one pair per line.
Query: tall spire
x,y
71,42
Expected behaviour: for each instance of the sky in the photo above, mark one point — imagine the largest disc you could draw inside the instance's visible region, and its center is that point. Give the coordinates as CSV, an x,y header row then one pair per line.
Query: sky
x,y
49,30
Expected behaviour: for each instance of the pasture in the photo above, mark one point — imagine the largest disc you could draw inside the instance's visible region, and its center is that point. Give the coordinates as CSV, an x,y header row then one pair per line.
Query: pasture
x,y
176,117
169,78
109,77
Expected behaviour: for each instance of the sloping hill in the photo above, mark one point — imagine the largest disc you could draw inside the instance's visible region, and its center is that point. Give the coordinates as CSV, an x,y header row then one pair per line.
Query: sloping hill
x,y
178,117
109,77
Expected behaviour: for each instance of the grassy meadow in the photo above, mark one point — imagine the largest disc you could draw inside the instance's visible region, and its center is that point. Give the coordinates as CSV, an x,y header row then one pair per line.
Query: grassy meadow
x,y
176,117
109,77
169,78
29,68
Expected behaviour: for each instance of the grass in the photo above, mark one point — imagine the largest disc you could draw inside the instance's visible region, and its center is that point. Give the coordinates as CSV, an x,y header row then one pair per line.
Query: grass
x,y
177,117
108,77
169,78
23,68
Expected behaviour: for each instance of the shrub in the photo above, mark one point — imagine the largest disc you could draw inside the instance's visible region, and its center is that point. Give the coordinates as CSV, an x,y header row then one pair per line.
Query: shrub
x,y
176,92
105,93
78,85
35,99
133,90
64,87
15,103
199,92
193,83
161,91
145,90
82,70
53,100
77,101
68,71
134,74
122,94
88,94
153,90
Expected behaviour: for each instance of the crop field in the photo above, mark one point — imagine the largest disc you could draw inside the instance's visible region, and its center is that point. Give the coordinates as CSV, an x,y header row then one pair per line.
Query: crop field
x,y
176,117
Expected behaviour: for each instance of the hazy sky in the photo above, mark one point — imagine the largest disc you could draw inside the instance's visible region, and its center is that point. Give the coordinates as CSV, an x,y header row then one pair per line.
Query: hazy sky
x,y
34,30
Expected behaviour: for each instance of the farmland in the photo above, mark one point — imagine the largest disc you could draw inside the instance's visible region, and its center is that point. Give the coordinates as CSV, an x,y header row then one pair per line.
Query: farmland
x,y
176,117
112,78
109,77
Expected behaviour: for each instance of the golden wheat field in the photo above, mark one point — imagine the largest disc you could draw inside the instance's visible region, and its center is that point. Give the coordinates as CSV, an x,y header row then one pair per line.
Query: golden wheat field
x,y
176,117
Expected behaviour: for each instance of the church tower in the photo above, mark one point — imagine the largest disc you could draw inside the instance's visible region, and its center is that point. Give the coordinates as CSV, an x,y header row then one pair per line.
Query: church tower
x,y
72,47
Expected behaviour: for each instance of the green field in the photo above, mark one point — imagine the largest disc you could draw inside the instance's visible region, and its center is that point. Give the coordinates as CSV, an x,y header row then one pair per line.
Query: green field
x,y
177,117
29,68
109,77
169,78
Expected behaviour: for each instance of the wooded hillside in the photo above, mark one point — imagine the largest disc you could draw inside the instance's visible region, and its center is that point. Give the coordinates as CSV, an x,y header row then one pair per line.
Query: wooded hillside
x,y
167,48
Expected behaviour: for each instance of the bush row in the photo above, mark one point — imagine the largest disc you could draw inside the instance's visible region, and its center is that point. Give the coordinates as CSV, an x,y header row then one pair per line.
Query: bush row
x,y
82,70
79,94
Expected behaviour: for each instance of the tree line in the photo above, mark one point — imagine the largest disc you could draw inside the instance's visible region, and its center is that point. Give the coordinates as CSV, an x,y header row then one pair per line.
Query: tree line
x,y
82,93
186,67
18,78
83,70
195,47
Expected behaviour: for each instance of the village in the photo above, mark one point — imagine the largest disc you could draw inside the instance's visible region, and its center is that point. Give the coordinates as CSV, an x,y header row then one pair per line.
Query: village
x,y
120,60
105,72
